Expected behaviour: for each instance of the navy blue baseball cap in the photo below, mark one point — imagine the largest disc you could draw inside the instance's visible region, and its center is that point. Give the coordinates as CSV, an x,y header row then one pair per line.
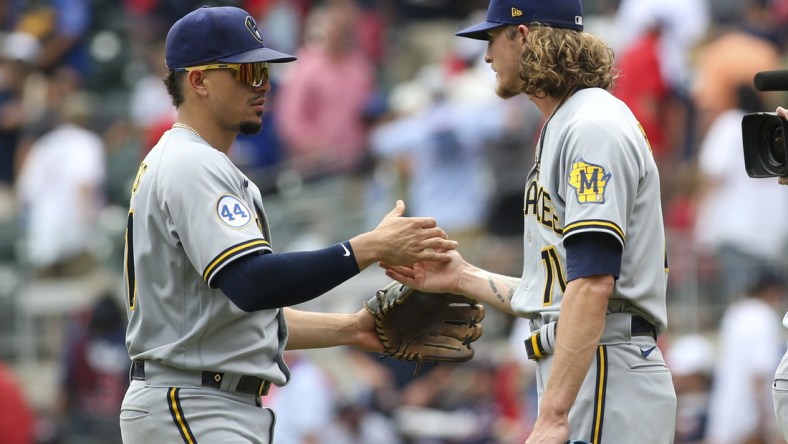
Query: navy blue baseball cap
x,y
221,34
556,13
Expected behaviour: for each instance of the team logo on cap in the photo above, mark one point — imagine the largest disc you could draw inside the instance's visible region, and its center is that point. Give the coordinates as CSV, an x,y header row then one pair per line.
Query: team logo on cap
x,y
590,182
252,27
516,12
578,20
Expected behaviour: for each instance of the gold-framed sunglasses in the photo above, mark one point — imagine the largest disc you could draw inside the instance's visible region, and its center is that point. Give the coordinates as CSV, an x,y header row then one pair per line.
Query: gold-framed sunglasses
x,y
253,74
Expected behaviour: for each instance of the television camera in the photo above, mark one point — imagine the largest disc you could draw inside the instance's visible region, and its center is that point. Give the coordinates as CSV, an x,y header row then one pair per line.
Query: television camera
x,y
764,133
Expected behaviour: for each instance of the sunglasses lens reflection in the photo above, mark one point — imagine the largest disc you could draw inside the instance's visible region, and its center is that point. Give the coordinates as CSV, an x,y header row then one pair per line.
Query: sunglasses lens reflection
x,y
254,74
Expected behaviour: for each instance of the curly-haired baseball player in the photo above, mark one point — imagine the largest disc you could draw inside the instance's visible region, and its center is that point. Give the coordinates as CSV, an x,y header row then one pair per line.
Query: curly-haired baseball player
x,y
206,328
595,270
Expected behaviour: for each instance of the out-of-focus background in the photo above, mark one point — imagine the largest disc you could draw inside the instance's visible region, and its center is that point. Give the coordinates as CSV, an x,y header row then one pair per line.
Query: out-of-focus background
x,y
383,103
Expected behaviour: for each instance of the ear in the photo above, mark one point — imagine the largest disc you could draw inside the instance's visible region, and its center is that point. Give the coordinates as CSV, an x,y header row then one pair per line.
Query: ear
x,y
522,32
196,81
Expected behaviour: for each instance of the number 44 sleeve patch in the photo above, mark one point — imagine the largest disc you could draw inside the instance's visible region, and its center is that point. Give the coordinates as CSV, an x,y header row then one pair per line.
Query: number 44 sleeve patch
x,y
590,182
233,212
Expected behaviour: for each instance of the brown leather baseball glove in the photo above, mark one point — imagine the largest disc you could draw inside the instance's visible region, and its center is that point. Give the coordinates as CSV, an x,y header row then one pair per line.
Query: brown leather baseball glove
x,y
418,326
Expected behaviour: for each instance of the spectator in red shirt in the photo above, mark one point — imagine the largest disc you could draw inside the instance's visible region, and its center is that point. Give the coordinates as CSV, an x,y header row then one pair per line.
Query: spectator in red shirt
x,y
16,416
642,87
320,106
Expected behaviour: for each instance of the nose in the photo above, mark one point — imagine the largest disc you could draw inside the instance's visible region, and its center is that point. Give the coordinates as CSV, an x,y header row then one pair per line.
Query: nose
x,y
265,86
487,58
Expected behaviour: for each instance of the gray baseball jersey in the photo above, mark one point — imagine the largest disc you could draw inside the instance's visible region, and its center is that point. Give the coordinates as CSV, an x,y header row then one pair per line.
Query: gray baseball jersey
x,y
595,173
192,212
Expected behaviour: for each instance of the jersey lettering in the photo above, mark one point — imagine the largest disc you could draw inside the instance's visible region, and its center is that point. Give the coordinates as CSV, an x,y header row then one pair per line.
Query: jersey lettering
x,y
539,204
233,212
643,131
590,181
143,167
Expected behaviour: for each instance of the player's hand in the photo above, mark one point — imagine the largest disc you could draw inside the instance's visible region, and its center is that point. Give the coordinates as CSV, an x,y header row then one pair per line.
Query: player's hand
x,y
431,277
399,240
366,338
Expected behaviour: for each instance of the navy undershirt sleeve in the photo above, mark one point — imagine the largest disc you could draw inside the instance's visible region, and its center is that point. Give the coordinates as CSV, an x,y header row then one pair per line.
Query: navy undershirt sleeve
x,y
590,254
265,281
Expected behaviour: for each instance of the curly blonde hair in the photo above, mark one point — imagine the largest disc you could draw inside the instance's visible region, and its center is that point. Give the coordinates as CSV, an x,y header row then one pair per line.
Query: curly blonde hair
x,y
558,60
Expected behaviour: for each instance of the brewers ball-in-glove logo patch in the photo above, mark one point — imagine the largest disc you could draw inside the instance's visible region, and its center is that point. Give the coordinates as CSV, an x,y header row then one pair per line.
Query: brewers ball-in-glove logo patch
x,y
590,181
233,212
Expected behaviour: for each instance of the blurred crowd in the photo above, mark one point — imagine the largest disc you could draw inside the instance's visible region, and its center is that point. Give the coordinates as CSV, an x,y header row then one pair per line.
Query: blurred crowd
x,y
384,103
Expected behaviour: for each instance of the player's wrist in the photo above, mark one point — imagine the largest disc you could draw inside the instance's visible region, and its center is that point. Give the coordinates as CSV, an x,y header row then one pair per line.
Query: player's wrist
x,y
365,249
347,326
364,336
553,414
469,279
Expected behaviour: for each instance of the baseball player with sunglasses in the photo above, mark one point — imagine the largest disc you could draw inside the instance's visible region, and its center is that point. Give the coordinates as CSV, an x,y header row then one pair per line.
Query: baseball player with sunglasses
x,y
595,271
206,290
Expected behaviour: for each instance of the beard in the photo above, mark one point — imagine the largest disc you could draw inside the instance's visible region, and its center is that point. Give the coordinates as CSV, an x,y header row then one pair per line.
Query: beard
x,y
509,84
248,128
507,91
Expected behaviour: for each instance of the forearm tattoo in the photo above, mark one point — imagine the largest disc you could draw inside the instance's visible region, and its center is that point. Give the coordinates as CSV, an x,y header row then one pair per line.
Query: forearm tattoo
x,y
494,288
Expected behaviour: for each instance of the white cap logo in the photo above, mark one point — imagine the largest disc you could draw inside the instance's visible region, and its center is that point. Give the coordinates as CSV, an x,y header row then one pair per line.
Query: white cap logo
x,y
252,27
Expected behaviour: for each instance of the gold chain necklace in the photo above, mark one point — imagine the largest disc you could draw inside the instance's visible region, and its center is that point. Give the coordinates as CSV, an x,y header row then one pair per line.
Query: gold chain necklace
x,y
188,128
540,146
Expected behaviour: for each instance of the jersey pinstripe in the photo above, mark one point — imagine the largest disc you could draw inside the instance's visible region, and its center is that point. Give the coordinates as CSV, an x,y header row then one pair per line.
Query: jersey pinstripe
x,y
191,213
593,174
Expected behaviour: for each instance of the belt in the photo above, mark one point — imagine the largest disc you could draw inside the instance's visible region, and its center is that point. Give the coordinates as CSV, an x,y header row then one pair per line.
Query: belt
x,y
642,327
542,342
248,384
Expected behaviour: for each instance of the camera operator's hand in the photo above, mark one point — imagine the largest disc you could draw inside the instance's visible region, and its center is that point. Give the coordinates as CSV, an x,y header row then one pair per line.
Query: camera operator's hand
x,y
782,112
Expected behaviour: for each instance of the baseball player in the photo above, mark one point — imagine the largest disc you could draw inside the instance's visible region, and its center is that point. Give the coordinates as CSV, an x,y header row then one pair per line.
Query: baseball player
x,y
780,385
206,328
595,272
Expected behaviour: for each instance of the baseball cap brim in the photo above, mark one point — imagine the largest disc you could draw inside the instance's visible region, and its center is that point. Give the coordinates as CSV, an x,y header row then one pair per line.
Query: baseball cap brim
x,y
258,55
479,31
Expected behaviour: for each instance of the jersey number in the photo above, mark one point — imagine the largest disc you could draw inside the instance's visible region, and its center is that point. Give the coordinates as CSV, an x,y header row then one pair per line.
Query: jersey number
x,y
553,273
237,211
